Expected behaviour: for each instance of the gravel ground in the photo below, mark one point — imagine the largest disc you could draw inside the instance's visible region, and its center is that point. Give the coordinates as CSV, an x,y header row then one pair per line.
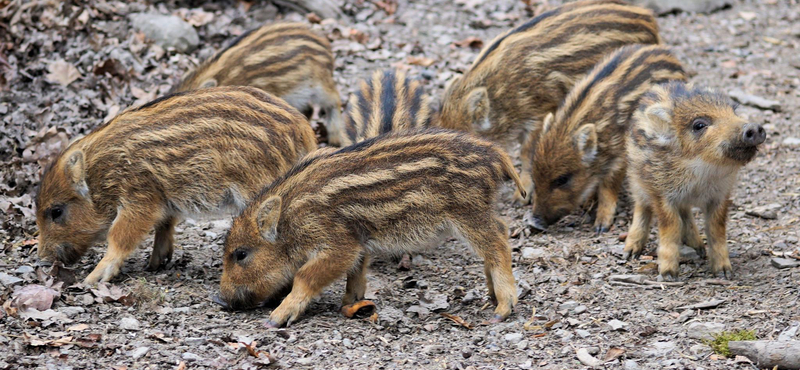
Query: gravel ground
x,y
571,296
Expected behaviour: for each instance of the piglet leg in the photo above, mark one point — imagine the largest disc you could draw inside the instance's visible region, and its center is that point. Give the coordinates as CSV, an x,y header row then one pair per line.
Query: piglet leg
x,y
716,218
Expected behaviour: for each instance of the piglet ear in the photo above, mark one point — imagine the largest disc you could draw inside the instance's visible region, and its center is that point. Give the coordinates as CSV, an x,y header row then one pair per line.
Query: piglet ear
x,y
586,140
478,105
75,170
267,217
658,115
209,83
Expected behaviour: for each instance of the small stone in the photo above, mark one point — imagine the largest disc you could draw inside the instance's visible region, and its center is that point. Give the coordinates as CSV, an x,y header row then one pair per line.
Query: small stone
x,y
630,365
433,349
167,31
790,333
129,323
704,330
754,101
699,349
671,362
71,311
791,141
24,269
659,349
513,338
347,343
593,350
568,306
685,316
532,253
466,353
522,345
9,280
693,6
195,341
582,333
579,310
139,352
767,212
191,357
689,253
210,234
784,263
617,325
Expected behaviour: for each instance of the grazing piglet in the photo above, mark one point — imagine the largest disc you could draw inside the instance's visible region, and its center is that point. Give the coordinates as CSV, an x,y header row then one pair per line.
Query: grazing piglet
x,y
394,193
581,150
525,73
685,147
389,101
287,60
200,152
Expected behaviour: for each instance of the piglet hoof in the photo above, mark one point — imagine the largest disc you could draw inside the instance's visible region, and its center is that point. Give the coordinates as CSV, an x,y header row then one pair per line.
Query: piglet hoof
x,y
667,277
272,324
629,255
405,262
600,229
361,308
496,319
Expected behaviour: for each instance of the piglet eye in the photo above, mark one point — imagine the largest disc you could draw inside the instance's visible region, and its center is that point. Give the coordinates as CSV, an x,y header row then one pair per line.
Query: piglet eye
x,y
56,212
240,254
561,180
699,124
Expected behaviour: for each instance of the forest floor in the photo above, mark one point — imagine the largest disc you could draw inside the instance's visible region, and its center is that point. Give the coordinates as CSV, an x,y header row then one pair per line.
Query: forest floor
x,y
570,295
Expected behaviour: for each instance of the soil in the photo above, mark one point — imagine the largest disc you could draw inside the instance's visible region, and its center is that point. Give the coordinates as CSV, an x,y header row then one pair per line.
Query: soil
x,y
570,298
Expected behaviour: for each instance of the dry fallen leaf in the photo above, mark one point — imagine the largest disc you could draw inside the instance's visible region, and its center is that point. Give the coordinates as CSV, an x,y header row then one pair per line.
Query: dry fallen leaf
x,y
351,310
613,354
420,61
458,320
388,6
313,18
473,42
34,296
78,327
62,73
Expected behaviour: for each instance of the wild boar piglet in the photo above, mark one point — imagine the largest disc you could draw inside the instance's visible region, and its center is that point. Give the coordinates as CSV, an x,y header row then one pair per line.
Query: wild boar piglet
x,y
685,147
202,152
391,194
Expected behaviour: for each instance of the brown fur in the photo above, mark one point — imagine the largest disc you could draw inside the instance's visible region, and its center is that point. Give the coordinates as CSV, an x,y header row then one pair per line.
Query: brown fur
x,y
394,193
581,150
198,152
389,101
284,59
674,167
526,73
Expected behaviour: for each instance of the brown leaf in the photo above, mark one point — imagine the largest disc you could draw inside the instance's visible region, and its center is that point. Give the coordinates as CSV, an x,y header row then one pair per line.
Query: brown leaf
x,y
613,353
358,36
456,319
351,310
62,73
420,61
34,296
388,6
313,18
78,327
472,42
112,294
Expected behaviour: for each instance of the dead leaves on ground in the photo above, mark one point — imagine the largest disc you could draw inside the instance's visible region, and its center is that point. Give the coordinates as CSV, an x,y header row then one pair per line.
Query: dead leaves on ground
x,y
457,319
113,294
472,42
62,73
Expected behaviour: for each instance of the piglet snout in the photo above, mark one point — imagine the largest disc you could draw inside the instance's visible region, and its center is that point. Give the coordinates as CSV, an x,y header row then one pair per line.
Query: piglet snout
x,y
753,134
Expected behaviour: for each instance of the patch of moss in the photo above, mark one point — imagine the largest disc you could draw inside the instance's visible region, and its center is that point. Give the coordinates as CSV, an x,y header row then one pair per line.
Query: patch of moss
x,y
720,342
146,296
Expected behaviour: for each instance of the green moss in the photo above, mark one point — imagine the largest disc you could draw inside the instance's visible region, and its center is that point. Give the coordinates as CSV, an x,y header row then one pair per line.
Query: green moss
x,y
720,342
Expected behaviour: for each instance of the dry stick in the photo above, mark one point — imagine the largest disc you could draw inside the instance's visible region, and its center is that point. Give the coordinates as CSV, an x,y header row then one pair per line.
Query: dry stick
x,y
769,354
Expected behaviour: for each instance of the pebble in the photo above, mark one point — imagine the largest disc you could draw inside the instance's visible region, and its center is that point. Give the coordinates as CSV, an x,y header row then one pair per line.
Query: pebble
x,y
784,263
593,350
791,141
630,365
660,349
466,353
513,338
167,31
582,333
347,343
579,310
8,280
617,325
699,349
767,212
692,6
532,253
191,357
689,253
129,323
568,306
704,330
754,101
71,311
24,269
790,333
195,341
139,352
522,345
